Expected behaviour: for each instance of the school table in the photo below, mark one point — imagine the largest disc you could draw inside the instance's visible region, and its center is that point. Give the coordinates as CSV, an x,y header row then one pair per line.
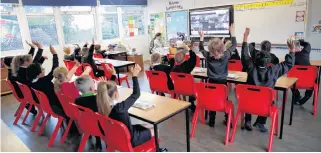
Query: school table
x,y
164,109
283,83
116,63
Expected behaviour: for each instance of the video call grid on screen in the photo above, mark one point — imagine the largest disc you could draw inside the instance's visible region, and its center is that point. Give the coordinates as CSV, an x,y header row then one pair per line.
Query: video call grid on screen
x,y
212,22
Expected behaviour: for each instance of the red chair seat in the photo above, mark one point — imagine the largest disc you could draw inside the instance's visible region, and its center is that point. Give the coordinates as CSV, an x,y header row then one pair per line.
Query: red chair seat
x,y
158,82
148,146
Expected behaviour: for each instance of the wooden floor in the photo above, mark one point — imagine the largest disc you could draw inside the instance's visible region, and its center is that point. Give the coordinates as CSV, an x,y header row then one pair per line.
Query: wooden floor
x,y
303,135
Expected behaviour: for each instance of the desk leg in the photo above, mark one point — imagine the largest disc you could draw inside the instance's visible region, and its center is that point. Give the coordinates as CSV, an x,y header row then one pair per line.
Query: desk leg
x,y
282,116
319,76
293,101
117,71
156,137
187,131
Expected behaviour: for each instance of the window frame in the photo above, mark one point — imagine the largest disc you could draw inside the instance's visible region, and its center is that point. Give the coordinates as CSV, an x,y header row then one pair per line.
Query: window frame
x,y
100,14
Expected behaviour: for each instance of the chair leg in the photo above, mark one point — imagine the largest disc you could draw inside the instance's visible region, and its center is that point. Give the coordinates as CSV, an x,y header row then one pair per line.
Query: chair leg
x,y
34,126
271,133
127,83
55,132
234,125
27,114
20,110
194,122
66,132
315,100
277,124
43,125
228,126
83,142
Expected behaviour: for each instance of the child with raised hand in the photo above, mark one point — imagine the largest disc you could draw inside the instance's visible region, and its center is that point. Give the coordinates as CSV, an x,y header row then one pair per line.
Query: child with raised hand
x,y
217,61
260,74
88,54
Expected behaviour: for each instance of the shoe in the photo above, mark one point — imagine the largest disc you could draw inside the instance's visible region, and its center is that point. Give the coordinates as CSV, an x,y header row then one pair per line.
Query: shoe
x,y
248,126
34,111
225,123
261,127
303,100
211,123
163,150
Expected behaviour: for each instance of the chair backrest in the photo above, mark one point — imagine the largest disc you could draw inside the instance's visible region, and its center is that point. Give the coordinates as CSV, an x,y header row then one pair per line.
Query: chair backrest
x,y
70,89
157,81
97,55
211,96
44,102
254,99
107,73
27,95
306,75
116,133
169,56
13,89
183,83
87,120
234,65
84,65
69,64
65,103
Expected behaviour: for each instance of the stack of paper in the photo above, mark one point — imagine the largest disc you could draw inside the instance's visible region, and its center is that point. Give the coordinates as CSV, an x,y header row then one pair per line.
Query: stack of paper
x,y
199,70
143,105
233,76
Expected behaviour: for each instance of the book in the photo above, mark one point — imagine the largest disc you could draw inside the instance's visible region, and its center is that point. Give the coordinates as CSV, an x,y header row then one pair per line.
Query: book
x,y
143,105
199,70
233,76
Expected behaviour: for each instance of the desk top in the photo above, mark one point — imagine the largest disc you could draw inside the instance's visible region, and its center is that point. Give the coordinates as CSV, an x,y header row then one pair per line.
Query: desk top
x,y
165,106
313,62
115,52
115,63
10,142
282,82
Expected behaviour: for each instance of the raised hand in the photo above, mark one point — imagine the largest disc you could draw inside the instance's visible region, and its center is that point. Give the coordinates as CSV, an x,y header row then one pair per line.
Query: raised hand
x,y
45,57
232,30
93,41
52,50
30,44
201,33
135,70
111,69
246,34
291,43
102,79
36,43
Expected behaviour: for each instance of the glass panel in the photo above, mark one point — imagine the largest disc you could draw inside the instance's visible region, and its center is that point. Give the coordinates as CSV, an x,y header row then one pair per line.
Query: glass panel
x,y
38,9
10,33
6,7
109,26
133,24
78,28
108,9
75,8
43,29
132,9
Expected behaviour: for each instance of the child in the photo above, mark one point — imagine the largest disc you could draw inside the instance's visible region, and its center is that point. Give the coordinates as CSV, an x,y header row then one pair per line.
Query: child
x,y
266,46
156,43
217,61
67,55
157,66
99,51
303,58
88,58
262,75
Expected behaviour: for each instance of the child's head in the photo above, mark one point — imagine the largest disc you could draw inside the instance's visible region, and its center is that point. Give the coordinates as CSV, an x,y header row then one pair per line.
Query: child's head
x,y
158,35
107,93
67,50
18,61
84,51
155,58
216,48
60,75
263,58
266,46
97,47
179,57
85,84
189,43
34,71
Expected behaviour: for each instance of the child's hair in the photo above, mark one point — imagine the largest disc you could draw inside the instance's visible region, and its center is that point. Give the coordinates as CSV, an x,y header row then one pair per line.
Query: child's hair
x,y
155,58
157,35
67,50
84,83
8,60
266,45
97,47
216,47
105,91
179,57
18,61
263,58
33,71
60,75
84,51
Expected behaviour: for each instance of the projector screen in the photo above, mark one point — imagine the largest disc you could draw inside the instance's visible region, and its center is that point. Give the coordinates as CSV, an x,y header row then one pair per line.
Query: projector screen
x,y
214,21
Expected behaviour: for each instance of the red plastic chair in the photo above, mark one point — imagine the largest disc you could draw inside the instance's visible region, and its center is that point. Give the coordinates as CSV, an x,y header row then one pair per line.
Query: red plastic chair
x,y
122,77
44,102
115,129
183,84
234,65
87,122
158,82
22,104
84,65
70,64
97,55
213,97
28,97
198,60
256,100
169,56
306,80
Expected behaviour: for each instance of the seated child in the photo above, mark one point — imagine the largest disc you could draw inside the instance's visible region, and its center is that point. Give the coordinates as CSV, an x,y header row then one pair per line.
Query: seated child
x,y
100,51
87,57
260,74
266,46
68,55
217,61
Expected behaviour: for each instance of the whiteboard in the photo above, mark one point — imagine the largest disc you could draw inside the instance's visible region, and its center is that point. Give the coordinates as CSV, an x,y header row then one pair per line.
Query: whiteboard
x,y
273,23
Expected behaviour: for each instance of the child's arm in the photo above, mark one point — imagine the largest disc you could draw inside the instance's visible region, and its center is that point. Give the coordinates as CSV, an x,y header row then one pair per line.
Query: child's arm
x,y
191,62
232,48
39,52
285,66
245,57
32,49
306,46
55,64
74,69
201,45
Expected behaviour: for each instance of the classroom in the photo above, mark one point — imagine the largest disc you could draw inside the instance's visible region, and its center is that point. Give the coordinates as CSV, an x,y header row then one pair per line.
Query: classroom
x,y
160,75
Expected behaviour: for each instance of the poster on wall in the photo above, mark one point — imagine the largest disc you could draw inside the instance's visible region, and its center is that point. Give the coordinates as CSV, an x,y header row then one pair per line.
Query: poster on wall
x,y
316,28
176,25
133,24
157,24
300,16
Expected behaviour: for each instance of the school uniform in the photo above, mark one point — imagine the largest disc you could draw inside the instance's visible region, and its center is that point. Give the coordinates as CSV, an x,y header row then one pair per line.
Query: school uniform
x,y
235,55
303,58
119,112
274,59
167,69
102,53
217,69
264,76
90,60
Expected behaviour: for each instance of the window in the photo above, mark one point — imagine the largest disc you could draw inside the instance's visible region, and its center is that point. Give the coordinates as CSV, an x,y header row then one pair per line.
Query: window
x,y
4,7
133,21
75,9
109,22
42,25
78,28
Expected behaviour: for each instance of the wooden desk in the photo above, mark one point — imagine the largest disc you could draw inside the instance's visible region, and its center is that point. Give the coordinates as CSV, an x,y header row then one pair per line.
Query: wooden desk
x,y
283,83
116,63
165,108
10,142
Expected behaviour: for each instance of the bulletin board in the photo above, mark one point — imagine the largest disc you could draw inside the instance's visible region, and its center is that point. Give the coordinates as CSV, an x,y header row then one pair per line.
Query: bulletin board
x,y
156,24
